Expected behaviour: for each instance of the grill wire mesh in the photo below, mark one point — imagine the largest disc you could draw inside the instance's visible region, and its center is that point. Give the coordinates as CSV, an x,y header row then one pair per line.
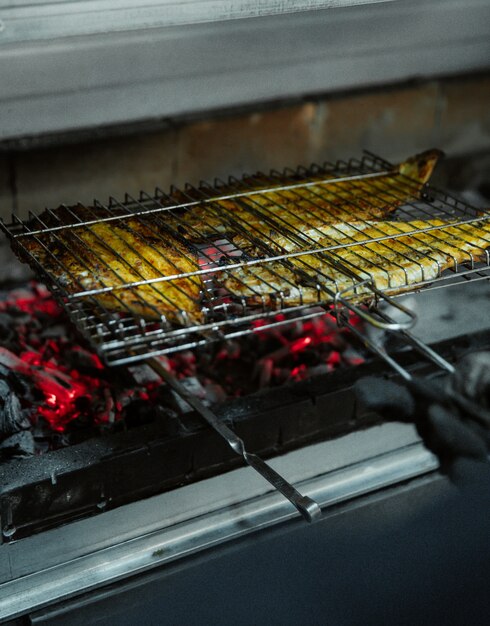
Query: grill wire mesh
x,y
166,272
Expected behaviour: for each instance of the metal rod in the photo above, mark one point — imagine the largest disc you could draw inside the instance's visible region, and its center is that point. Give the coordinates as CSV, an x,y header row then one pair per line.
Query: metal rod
x,y
417,344
427,351
233,196
381,352
371,319
308,508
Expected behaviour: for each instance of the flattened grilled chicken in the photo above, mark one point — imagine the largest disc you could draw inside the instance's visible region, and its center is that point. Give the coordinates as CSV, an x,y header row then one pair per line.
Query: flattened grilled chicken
x,y
394,264
286,219
112,254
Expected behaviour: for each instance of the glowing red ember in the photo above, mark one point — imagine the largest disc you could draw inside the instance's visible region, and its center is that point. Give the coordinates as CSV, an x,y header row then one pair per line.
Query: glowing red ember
x,y
60,393
61,389
70,383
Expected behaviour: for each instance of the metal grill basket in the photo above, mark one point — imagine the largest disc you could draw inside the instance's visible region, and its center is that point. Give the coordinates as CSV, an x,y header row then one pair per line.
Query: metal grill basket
x,y
295,262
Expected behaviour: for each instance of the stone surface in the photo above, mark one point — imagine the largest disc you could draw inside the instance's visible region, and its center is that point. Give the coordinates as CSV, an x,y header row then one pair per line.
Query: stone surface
x,y
97,169
395,122
465,115
244,143
6,195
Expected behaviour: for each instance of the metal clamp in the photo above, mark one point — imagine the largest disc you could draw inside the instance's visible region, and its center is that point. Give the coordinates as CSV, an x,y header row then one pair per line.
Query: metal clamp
x,y
370,319
388,324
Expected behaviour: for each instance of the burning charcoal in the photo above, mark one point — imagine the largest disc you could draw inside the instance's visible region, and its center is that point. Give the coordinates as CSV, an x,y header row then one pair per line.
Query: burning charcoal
x,y
7,331
351,356
12,419
143,374
318,370
140,412
193,385
69,395
109,409
20,444
56,331
263,372
214,393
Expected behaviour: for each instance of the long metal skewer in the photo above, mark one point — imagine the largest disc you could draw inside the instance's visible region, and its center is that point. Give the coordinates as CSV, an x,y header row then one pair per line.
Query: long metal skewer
x,y
308,508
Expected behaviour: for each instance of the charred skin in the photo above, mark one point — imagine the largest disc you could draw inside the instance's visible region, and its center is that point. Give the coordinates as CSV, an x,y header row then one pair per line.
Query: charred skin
x,y
420,167
394,264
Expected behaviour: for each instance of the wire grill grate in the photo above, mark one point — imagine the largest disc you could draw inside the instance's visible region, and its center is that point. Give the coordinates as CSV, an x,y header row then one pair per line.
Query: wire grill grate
x,y
166,272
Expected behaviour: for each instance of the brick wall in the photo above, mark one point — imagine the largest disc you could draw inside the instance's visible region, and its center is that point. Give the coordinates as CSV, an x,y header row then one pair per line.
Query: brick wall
x,y
452,114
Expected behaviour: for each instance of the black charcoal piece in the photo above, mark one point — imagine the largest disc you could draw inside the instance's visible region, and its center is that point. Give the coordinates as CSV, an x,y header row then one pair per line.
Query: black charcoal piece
x,y
19,445
4,389
12,419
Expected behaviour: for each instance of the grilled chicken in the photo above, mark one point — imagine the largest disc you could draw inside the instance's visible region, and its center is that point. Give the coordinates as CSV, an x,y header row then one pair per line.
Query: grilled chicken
x,y
407,254
285,219
108,256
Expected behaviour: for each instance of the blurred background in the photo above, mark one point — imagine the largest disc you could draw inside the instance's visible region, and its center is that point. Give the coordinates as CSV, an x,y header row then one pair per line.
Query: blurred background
x,y
99,98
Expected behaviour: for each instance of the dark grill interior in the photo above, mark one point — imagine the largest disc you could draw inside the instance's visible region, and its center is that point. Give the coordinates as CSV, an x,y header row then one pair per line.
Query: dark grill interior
x,y
106,472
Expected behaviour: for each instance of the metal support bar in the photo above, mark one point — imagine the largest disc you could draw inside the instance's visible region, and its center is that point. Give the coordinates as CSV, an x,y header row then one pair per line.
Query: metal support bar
x,y
308,508
374,319
422,348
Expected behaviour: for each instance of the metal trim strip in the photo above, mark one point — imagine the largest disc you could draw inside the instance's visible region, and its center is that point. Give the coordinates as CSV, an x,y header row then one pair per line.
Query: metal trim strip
x,y
161,546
